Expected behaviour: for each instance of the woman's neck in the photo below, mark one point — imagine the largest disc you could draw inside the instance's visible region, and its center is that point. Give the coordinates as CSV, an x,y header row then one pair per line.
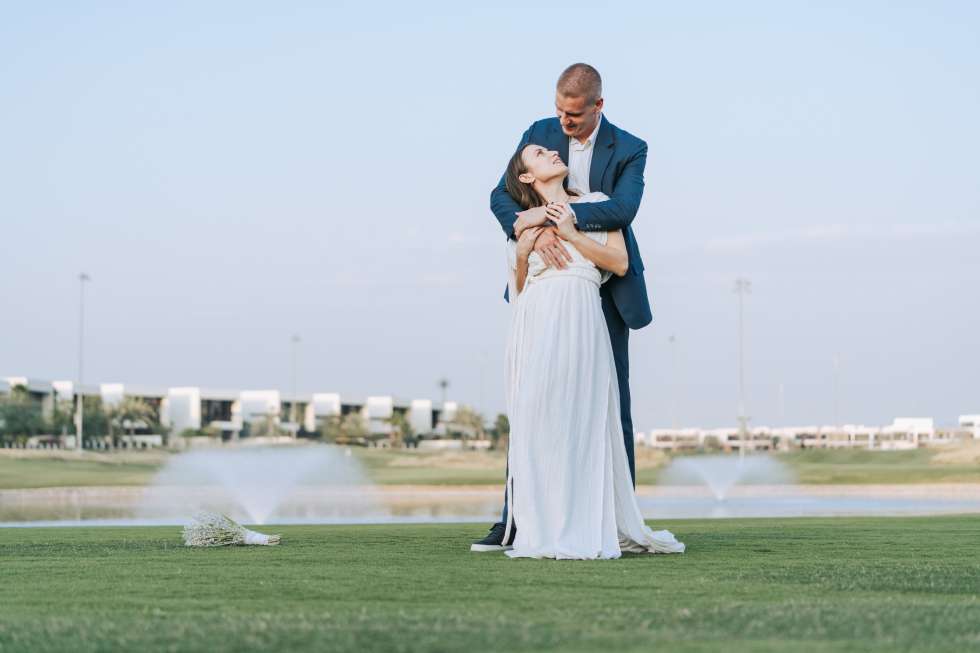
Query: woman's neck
x,y
552,191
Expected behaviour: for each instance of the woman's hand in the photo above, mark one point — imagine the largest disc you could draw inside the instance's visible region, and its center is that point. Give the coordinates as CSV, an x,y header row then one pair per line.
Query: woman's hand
x,y
562,216
525,244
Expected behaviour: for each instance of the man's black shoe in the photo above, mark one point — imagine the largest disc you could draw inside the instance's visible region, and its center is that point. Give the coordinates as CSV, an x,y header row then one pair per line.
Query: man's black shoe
x,y
494,541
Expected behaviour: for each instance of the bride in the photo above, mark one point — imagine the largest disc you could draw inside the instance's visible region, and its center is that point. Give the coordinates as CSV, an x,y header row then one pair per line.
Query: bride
x,y
568,483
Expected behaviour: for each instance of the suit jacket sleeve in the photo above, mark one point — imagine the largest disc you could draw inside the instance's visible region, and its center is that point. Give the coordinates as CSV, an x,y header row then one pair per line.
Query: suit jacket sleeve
x,y
619,210
501,203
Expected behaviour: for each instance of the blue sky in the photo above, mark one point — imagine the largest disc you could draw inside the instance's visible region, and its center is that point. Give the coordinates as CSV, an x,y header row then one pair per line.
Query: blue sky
x,y
233,173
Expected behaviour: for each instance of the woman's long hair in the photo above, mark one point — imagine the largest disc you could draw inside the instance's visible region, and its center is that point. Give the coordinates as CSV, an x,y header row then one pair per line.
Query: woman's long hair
x,y
523,194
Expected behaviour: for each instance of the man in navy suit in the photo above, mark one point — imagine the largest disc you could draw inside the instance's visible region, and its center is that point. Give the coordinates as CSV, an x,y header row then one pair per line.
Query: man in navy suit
x,y
600,157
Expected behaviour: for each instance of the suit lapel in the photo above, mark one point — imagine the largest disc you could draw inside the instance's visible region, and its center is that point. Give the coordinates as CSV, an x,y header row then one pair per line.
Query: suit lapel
x,y
602,152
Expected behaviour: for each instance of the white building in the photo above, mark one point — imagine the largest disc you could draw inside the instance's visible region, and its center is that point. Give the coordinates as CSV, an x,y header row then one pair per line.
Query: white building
x,y
112,394
902,433
181,409
420,416
226,411
377,413
971,422
258,405
322,405
64,390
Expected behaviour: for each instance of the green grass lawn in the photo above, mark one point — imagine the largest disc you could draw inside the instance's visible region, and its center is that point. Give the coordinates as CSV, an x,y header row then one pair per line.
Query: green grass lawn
x,y
846,584
92,469
413,467
860,466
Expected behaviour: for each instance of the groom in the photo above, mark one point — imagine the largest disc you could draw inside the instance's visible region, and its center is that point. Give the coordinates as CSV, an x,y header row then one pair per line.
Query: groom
x,y
600,157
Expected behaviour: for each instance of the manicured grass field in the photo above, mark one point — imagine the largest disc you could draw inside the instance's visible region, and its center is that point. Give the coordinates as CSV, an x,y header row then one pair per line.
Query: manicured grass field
x,y
854,584
859,466
87,470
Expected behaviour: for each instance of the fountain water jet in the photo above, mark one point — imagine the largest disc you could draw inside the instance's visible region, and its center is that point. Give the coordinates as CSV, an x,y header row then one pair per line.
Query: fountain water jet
x,y
256,484
720,473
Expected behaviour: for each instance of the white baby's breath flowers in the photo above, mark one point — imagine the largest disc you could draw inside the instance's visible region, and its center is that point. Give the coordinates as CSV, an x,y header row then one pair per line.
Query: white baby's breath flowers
x,y
214,529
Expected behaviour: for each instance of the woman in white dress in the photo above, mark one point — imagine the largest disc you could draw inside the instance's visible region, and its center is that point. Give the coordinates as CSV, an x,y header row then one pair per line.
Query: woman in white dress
x,y
569,486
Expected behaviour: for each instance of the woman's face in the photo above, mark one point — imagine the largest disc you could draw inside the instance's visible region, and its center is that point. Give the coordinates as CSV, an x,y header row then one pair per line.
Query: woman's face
x,y
542,165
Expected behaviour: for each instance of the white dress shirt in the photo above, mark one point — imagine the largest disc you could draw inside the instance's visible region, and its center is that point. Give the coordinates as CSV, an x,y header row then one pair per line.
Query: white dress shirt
x,y
580,160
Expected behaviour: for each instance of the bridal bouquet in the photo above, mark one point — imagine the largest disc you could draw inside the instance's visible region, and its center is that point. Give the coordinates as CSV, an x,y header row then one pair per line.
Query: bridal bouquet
x,y
214,529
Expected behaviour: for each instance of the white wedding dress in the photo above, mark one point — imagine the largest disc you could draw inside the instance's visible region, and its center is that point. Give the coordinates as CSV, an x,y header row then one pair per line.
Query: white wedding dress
x,y
569,486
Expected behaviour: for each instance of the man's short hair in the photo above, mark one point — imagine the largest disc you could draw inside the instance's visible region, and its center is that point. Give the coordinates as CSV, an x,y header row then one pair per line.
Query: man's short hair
x,y
581,80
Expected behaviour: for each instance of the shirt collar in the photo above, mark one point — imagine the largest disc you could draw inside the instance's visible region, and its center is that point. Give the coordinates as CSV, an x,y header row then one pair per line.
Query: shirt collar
x,y
574,142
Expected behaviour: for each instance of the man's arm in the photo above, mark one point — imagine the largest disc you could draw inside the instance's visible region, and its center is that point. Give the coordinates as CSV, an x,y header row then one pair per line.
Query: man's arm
x,y
504,208
619,210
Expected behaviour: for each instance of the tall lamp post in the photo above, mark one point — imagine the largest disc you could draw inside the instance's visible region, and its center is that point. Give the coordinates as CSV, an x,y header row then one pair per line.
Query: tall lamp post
x,y
294,345
483,374
673,399
782,404
443,384
837,390
742,288
80,416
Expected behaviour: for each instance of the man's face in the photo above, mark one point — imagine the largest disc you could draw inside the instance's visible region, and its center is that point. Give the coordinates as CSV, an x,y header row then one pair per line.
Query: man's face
x,y
578,118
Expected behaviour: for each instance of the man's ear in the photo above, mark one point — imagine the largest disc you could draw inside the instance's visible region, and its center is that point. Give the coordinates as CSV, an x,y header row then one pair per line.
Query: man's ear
x,y
526,178
598,104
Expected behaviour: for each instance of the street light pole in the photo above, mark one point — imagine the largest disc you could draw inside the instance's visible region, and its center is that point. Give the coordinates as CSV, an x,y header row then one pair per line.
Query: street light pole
x,y
443,384
673,399
483,373
782,404
742,288
80,417
294,341
837,390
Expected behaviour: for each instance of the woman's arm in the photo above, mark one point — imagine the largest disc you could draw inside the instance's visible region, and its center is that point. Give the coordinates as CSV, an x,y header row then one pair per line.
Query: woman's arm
x,y
521,273
525,245
612,256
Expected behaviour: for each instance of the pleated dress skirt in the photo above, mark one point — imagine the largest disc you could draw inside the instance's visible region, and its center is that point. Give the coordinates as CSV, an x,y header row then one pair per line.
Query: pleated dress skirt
x,y
570,491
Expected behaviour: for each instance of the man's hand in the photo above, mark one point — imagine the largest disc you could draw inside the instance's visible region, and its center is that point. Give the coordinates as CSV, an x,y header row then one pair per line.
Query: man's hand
x,y
530,218
551,250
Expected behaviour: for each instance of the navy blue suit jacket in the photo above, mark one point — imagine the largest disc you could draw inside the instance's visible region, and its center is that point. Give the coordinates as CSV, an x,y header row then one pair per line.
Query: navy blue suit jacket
x,y
618,160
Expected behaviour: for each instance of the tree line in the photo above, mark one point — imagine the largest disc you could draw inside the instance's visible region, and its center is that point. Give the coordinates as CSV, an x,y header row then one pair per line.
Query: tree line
x,y
21,417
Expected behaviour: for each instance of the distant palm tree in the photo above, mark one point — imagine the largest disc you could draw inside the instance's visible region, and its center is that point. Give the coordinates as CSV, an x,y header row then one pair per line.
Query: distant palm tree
x,y
130,414
20,415
62,419
330,430
469,424
401,430
501,430
353,429
96,418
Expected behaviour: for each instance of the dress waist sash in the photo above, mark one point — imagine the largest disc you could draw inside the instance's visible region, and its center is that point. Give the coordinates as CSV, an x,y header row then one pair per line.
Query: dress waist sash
x,y
586,274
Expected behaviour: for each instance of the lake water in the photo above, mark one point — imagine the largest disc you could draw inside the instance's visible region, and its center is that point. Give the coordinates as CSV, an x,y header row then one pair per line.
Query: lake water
x,y
421,504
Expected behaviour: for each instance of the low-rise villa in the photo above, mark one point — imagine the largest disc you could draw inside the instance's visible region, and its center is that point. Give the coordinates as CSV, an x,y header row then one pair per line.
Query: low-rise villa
x,y
230,413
